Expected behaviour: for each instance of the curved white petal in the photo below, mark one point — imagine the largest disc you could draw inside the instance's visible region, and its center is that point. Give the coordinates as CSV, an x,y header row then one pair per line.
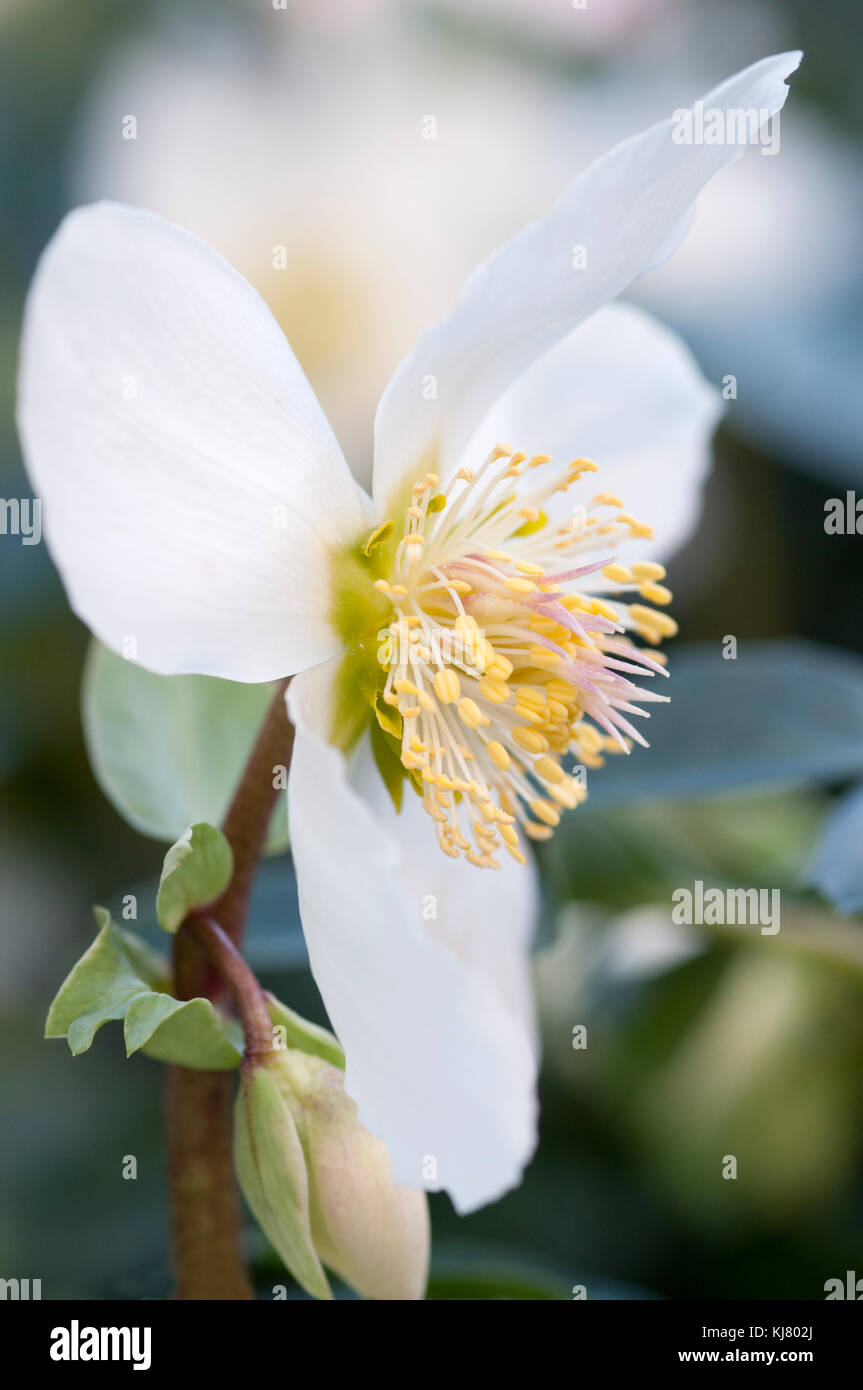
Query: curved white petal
x,y
626,212
434,1011
191,485
625,391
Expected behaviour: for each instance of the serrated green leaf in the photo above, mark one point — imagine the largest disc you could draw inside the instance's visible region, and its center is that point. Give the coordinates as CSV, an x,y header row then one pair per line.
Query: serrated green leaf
x,y
271,1171
168,751
196,871
106,985
305,1036
98,989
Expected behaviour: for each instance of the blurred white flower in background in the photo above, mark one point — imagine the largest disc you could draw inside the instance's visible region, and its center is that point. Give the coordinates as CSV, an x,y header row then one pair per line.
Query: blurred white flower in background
x,y
385,172
583,26
386,157
586,26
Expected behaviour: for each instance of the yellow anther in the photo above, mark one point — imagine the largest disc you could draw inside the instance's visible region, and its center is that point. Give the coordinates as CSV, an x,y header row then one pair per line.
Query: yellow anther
x,y
530,513
500,669
520,586
549,770
665,625
500,451
482,861
509,835
656,593
649,618
542,657
471,714
496,691
560,690
406,687
538,460
537,831
637,529
498,754
648,569
565,793
414,540
382,586
603,610
619,574
447,686
589,738
583,466
531,715
607,499
492,554
545,812
530,695
528,567
485,654
529,739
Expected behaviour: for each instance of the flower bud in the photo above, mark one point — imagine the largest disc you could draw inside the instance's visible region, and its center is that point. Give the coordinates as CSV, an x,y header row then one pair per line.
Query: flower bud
x,y
321,1186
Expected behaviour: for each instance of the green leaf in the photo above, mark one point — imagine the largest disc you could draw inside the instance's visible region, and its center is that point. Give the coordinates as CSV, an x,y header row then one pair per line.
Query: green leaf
x,y
184,1033
168,751
98,989
196,871
271,1171
107,984
781,713
305,1036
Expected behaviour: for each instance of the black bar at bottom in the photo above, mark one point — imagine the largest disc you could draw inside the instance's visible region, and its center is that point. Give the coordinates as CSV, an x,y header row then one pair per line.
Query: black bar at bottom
x,y
70,1339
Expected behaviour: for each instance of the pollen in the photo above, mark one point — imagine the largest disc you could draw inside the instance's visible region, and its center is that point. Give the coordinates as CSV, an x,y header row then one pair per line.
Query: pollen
x,y
513,677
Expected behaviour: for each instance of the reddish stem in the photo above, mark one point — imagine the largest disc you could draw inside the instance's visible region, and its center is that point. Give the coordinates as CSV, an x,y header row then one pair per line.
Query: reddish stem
x,y
205,1208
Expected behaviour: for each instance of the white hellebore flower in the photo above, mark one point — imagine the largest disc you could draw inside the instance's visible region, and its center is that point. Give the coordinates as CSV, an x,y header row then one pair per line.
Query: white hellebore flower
x,y
444,630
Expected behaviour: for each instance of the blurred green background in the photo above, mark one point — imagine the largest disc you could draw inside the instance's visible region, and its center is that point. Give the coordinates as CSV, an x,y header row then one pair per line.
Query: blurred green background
x,y
258,126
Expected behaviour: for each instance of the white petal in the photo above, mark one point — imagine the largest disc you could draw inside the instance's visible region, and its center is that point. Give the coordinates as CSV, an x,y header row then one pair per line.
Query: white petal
x,y
191,485
628,211
434,1014
625,391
